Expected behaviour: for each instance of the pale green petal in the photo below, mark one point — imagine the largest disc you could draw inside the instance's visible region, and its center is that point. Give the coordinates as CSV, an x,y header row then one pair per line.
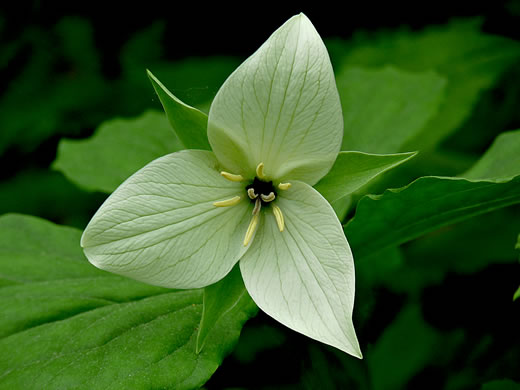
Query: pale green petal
x,y
304,276
161,227
280,107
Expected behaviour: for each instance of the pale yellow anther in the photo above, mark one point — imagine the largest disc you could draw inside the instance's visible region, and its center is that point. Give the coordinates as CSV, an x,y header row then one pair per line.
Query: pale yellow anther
x,y
284,186
251,193
260,171
258,206
278,216
268,198
232,177
228,202
251,229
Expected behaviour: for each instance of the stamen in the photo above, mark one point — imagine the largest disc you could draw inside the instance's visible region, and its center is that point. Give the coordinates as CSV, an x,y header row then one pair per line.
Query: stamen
x,y
284,186
268,198
279,217
251,229
228,202
232,177
251,193
260,171
258,206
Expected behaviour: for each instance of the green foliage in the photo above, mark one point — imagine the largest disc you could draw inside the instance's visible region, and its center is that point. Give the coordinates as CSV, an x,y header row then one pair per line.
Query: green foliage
x,y
384,109
55,99
446,91
63,320
118,149
219,298
501,384
469,59
428,203
501,161
405,346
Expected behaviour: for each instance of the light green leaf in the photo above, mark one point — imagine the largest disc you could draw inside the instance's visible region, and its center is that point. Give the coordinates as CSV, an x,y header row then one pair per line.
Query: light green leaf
x,y
161,226
189,124
220,298
117,150
501,161
383,109
304,276
426,204
352,170
471,61
66,324
517,294
280,107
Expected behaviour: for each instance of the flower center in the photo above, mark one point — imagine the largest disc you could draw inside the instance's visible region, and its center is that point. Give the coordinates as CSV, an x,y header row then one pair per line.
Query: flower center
x,y
261,192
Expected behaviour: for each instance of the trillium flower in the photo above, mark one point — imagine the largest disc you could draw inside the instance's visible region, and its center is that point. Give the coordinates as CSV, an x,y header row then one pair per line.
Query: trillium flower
x,y
185,220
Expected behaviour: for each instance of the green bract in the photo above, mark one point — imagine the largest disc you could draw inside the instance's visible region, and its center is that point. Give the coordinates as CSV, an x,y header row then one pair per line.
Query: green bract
x,y
185,219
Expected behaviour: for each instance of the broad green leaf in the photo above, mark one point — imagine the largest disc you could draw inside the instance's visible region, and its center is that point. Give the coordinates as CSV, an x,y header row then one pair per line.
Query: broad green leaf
x,y
426,204
304,276
280,107
161,225
66,324
501,161
352,170
501,384
471,60
517,294
189,124
383,109
117,150
219,298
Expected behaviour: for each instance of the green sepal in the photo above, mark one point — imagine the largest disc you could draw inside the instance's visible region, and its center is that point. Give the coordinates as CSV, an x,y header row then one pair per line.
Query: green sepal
x,y
189,124
219,299
352,170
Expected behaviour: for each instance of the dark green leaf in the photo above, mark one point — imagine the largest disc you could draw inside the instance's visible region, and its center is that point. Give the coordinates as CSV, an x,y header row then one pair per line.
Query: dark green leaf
x,y
189,124
405,346
118,149
464,248
221,297
501,384
426,204
66,324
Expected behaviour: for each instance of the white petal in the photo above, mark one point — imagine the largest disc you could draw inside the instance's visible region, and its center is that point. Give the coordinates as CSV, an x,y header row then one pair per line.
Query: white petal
x,y
161,227
280,107
304,276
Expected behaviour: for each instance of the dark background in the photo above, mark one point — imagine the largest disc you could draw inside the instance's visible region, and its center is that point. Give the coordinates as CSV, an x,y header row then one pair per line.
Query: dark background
x,y
268,355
